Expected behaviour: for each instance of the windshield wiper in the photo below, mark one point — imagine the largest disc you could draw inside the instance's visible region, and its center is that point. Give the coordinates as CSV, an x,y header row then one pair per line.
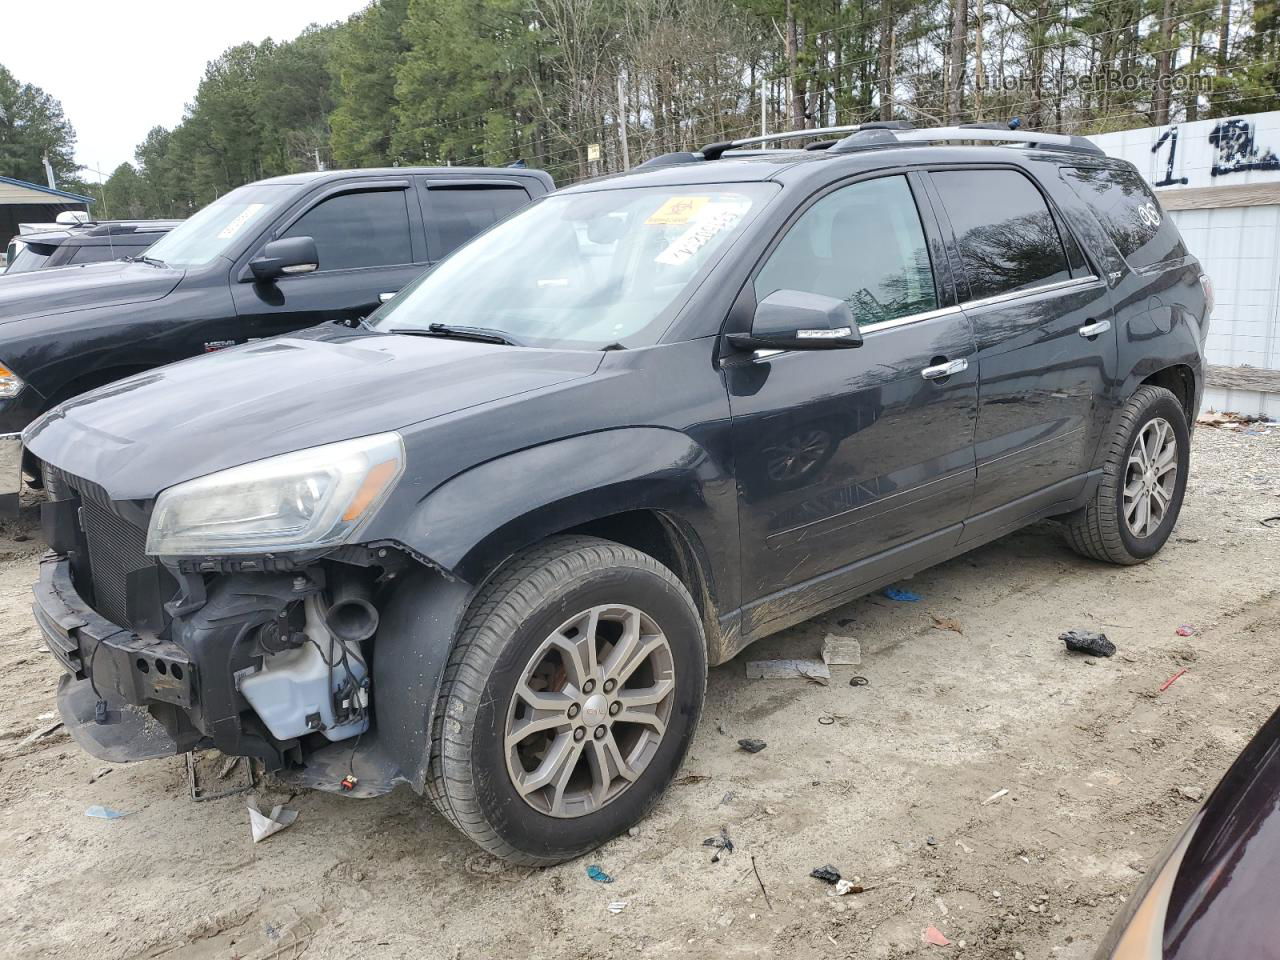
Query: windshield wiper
x,y
481,334
143,258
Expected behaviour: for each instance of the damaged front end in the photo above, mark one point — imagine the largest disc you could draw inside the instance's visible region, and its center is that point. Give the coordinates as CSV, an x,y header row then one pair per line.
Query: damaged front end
x,y
257,654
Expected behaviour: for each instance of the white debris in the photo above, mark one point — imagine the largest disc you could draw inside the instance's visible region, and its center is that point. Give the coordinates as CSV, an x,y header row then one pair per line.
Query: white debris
x,y
841,651
264,825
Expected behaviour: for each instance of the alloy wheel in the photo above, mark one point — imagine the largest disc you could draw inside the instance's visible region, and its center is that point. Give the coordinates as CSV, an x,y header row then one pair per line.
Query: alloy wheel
x,y
1150,477
590,710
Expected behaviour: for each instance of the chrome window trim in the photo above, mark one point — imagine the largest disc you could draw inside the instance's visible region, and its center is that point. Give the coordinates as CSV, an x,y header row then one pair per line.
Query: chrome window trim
x,y
1032,291
908,319
949,311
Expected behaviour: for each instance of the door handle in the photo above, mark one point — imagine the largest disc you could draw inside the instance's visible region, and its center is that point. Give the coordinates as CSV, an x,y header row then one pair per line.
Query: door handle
x,y
384,297
943,370
1093,329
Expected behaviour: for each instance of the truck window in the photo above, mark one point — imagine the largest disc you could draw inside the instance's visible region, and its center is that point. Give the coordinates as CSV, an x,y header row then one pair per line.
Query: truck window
x,y
1129,213
862,244
363,229
456,214
1007,237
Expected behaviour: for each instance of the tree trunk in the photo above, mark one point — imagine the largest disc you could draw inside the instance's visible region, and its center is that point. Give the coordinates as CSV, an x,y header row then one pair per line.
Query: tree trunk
x,y
797,88
959,27
1164,67
886,60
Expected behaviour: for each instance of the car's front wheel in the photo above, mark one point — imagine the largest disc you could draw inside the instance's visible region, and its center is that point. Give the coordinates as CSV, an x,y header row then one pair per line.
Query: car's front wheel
x,y
1143,481
569,700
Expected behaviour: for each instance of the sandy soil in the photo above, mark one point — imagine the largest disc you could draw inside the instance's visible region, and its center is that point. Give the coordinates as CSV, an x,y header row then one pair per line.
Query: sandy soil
x,y
886,781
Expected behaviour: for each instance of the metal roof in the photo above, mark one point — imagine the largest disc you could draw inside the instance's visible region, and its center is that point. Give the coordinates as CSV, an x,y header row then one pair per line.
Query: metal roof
x,y
11,197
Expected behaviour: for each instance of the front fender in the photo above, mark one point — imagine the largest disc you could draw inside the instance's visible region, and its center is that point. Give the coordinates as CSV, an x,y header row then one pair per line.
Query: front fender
x,y
471,523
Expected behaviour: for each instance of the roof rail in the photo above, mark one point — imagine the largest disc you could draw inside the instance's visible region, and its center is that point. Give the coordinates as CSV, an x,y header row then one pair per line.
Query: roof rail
x,y
934,134
713,151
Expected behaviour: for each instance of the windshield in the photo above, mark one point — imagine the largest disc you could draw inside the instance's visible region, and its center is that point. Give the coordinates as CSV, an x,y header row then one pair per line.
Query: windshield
x,y
585,270
214,230
23,256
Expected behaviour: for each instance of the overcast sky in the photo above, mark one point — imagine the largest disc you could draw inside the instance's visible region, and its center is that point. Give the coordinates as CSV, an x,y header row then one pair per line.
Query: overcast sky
x,y
122,66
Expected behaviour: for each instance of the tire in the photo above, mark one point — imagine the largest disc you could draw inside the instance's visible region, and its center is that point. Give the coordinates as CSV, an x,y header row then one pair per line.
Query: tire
x,y
1100,530
528,605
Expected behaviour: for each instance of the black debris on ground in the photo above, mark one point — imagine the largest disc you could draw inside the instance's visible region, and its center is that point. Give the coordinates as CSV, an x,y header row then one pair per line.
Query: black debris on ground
x,y
752,745
1087,641
827,874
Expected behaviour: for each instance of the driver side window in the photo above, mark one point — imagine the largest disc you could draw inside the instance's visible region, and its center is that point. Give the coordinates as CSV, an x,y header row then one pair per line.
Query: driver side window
x,y
862,244
362,229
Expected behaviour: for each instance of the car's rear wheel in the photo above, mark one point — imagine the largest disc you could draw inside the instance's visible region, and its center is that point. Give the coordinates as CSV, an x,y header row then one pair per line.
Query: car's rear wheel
x,y
1143,482
569,700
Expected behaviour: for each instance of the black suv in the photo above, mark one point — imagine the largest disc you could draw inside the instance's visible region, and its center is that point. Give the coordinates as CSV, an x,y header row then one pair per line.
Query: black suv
x,y
266,258
487,542
76,245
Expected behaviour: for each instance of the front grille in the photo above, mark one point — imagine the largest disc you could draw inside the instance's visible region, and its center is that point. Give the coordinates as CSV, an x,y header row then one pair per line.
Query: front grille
x,y
117,548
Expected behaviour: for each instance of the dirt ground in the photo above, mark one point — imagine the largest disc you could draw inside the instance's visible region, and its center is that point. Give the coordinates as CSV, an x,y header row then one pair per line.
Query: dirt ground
x,y
886,781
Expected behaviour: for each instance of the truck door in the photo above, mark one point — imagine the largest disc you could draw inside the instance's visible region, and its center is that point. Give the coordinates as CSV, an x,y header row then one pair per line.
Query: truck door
x,y
369,238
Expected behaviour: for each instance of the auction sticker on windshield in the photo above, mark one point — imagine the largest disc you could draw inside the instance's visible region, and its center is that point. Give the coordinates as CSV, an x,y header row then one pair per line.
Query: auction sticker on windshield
x,y
243,217
676,211
712,219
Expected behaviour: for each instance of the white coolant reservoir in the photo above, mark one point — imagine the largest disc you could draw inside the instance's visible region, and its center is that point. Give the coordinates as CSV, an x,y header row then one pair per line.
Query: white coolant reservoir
x,y
298,683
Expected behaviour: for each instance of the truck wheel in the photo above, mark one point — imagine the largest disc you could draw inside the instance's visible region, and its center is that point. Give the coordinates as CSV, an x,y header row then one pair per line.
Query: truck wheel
x,y
1137,502
569,700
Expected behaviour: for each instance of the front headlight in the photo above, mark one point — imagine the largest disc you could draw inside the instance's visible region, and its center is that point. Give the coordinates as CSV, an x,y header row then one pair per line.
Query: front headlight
x,y
10,383
298,501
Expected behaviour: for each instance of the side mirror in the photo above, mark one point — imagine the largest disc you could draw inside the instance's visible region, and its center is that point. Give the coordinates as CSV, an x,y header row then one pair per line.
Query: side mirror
x,y
285,258
798,320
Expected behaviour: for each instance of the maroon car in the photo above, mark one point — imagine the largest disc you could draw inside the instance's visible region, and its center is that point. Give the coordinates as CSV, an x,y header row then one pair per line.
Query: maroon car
x,y
1215,893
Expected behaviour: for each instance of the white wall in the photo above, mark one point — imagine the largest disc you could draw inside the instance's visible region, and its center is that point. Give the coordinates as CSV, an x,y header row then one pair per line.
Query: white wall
x,y
1238,246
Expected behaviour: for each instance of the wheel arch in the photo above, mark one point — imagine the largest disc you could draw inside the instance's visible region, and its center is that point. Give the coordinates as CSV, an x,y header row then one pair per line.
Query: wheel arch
x,y
1180,380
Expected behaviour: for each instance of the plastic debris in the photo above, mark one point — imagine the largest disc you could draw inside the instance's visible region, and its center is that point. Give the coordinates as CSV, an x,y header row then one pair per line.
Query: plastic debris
x,y
1185,630
617,906
99,774
995,796
104,813
858,681
722,843
1087,641
1169,683
751,744
844,887
263,825
946,623
932,935
841,651
788,670
902,596
827,874
598,875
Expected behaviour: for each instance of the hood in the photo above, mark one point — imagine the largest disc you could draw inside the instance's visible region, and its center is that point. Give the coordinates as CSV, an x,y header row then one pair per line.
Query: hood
x,y
140,435
40,293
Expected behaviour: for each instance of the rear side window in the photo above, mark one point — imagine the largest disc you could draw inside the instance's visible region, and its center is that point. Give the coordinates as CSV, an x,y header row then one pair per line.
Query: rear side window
x,y
862,244
1129,213
1007,237
364,229
456,214
87,254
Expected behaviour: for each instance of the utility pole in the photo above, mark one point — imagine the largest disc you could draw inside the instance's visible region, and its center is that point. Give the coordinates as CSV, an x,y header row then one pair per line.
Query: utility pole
x,y
622,125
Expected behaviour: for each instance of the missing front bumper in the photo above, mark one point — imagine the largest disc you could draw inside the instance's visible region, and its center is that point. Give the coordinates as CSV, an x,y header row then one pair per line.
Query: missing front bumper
x,y
134,669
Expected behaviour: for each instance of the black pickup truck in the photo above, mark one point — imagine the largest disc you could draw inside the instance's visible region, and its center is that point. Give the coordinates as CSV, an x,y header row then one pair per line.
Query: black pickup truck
x,y
266,258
